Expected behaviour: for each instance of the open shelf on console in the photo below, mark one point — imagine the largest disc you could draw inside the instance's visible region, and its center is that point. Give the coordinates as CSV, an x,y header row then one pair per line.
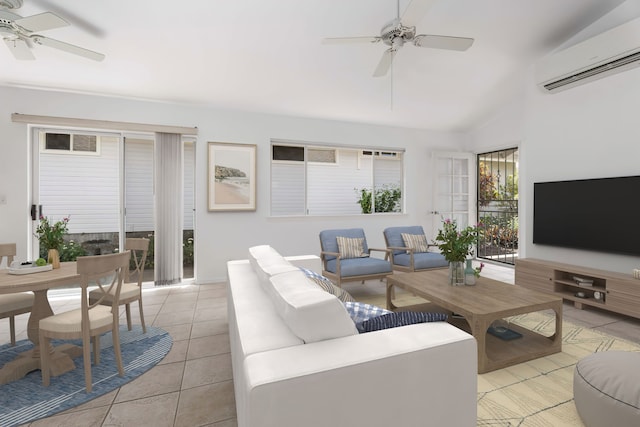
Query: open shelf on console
x,y
571,286
613,291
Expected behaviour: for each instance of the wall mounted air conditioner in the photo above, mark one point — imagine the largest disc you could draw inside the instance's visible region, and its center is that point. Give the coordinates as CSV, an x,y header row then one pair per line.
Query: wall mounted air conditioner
x,y
613,51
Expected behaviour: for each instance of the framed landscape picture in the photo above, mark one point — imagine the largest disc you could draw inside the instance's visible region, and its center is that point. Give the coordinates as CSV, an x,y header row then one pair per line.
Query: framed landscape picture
x,y
232,177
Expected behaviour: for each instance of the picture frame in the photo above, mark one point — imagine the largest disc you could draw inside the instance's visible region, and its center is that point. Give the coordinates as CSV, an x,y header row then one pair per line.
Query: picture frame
x,y
231,177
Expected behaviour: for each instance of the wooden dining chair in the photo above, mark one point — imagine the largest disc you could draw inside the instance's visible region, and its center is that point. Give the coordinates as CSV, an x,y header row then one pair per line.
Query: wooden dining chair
x,y
12,305
90,320
131,291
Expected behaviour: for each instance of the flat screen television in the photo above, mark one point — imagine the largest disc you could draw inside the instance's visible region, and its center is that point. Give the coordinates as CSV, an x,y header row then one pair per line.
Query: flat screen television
x,y
593,214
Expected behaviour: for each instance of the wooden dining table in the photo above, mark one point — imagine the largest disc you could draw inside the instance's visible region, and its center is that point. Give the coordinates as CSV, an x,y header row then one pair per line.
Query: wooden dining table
x,y
39,283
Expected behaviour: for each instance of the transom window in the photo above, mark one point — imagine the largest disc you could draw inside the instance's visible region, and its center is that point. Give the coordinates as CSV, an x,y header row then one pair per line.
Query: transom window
x,y
319,179
69,143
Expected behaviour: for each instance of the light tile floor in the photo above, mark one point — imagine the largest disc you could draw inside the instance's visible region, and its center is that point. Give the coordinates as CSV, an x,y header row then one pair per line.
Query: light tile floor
x,y
193,385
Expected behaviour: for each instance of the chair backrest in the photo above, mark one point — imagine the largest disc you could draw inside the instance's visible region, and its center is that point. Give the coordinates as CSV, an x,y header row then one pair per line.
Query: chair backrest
x,y
329,243
106,271
393,235
7,250
139,248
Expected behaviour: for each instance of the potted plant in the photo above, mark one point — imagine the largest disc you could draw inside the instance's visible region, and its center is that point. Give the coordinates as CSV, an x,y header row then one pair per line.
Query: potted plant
x,y
455,245
51,237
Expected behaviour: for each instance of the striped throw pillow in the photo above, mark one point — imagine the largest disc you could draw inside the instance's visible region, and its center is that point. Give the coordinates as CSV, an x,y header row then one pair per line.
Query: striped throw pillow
x,y
416,241
327,285
351,247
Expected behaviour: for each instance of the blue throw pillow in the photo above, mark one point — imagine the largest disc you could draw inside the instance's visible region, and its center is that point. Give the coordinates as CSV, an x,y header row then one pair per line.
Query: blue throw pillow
x,y
402,318
360,311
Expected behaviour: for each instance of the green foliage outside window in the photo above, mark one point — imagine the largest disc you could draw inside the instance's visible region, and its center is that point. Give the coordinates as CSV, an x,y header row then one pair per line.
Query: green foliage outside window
x,y
387,199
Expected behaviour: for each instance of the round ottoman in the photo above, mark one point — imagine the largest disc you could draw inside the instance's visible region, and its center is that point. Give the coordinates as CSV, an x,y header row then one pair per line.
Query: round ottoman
x,y
606,389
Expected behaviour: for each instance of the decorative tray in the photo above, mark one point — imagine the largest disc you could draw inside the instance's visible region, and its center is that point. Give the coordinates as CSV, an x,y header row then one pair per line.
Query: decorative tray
x,y
28,269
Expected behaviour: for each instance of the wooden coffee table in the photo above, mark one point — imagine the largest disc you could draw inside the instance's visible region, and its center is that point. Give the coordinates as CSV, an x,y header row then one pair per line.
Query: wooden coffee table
x,y
481,305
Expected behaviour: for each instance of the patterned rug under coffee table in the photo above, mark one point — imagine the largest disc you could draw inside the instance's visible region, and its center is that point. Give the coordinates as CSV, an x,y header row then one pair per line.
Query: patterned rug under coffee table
x,y
540,392
536,393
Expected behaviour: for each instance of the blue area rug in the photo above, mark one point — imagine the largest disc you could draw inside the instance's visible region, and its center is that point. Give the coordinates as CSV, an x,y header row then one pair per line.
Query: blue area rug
x,y
27,399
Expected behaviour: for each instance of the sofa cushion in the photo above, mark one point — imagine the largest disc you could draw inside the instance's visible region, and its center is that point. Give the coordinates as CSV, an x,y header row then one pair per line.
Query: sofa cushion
x,y
351,247
360,311
267,262
253,323
421,260
311,313
402,318
327,285
360,266
418,242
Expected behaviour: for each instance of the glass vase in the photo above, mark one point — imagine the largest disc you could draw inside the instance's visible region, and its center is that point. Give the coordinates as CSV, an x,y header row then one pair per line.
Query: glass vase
x,y
456,273
469,274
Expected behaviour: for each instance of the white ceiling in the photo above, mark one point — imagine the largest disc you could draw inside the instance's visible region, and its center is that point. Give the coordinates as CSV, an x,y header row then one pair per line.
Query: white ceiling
x,y
267,56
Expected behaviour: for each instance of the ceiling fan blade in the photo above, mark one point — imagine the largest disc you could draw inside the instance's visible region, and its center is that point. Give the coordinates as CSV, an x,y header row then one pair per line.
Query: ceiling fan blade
x,y
442,42
20,49
69,16
70,48
415,11
41,22
343,40
385,63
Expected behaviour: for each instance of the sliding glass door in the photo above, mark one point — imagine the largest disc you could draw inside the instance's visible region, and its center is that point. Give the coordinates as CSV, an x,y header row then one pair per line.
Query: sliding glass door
x,y
138,215
104,184
76,175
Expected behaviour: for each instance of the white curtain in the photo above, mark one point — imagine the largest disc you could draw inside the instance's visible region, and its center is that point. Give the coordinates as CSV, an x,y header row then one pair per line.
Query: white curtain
x,y
169,201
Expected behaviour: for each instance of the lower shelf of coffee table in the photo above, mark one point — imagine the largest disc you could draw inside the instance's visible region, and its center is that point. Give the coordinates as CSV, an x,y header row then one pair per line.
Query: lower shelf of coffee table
x,y
503,353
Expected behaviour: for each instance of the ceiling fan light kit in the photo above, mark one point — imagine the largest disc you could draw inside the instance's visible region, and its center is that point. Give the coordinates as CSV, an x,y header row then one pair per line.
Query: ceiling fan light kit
x,y
402,30
19,34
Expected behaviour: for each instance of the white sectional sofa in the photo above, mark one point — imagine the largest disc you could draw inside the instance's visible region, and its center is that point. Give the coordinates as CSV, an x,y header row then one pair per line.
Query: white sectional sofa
x,y
299,361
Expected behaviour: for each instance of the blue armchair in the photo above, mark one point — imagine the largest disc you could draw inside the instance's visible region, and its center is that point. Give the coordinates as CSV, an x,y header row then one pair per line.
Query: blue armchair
x,y
345,257
409,259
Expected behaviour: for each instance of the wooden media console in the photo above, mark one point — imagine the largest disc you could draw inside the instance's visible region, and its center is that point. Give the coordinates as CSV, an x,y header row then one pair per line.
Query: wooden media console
x,y
616,292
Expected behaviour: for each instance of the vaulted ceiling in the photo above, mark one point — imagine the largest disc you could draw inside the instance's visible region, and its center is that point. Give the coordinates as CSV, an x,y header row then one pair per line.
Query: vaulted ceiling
x,y
268,55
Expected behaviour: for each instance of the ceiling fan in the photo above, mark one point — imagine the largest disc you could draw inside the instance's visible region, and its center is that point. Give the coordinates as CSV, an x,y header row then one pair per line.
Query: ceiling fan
x,y
21,34
402,30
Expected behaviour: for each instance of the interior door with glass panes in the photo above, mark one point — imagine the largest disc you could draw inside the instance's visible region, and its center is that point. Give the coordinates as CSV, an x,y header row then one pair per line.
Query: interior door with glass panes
x,y
454,183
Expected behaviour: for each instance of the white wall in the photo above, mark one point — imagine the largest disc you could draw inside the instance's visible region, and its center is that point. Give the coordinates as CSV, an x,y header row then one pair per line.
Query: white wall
x,y
220,236
589,131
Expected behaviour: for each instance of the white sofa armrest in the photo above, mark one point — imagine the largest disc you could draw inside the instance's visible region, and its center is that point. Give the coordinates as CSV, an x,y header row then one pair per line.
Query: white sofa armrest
x,y
413,374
